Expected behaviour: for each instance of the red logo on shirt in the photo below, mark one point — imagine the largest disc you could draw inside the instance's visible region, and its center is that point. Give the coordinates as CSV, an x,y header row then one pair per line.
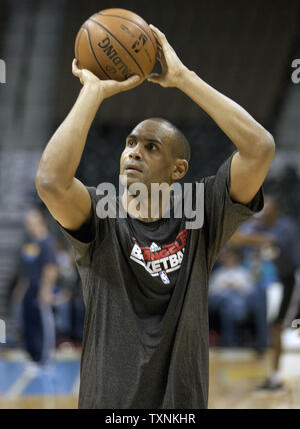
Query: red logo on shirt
x,y
156,258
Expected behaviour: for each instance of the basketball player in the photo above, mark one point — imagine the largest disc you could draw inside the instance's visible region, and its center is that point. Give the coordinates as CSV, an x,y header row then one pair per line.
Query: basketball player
x,y
145,279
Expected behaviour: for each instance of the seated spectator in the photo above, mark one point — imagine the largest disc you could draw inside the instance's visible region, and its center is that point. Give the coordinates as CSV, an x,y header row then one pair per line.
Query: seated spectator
x,y
230,286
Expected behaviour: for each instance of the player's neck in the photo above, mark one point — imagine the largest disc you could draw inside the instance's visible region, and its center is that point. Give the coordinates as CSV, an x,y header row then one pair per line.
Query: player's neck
x,y
148,210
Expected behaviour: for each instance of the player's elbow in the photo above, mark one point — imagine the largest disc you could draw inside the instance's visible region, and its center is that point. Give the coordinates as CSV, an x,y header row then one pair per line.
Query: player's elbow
x,y
267,147
45,184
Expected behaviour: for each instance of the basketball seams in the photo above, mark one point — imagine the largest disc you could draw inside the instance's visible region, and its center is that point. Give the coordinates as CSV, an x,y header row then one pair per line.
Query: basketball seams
x,y
93,52
120,43
129,20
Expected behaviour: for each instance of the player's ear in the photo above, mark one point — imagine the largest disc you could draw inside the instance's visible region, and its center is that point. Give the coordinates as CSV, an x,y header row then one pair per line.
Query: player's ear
x,y
180,169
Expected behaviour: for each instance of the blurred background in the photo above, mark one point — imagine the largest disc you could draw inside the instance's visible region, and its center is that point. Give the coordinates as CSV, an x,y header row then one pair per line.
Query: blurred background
x,y
245,50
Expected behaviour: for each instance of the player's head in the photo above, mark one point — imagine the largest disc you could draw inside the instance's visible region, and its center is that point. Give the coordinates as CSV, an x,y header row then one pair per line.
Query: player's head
x,y
158,151
35,222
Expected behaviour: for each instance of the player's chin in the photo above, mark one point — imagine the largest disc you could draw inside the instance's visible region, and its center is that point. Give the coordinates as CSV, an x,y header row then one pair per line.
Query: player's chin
x,y
132,178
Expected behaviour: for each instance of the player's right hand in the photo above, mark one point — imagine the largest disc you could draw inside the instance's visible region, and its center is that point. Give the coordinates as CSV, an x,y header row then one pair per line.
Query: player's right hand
x,y
107,88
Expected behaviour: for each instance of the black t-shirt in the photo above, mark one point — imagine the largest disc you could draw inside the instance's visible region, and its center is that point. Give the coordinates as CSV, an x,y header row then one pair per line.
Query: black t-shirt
x,y
145,287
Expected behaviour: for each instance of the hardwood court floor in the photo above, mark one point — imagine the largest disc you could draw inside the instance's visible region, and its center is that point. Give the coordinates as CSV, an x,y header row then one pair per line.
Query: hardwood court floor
x,y
234,375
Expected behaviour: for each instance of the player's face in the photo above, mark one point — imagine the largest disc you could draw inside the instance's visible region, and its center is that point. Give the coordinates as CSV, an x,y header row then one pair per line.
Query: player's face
x,y
147,156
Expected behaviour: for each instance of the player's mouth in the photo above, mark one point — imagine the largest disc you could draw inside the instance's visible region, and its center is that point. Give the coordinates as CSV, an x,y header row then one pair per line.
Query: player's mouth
x,y
132,168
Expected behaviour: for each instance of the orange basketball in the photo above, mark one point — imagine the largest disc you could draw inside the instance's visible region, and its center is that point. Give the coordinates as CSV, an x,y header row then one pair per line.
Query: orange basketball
x,y
116,44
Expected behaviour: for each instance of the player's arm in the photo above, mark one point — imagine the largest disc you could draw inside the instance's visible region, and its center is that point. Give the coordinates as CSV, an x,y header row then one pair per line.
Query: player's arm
x,y
48,281
255,145
65,196
254,239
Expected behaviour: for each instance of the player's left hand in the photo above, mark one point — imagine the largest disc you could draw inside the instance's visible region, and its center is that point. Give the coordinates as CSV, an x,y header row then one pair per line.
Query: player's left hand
x,y
172,68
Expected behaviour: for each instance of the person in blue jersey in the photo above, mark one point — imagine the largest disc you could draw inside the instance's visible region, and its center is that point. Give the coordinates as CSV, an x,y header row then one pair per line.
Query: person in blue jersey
x,y
37,279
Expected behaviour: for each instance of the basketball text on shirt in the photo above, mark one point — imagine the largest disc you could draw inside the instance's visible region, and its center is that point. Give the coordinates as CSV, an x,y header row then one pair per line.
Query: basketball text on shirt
x,y
160,260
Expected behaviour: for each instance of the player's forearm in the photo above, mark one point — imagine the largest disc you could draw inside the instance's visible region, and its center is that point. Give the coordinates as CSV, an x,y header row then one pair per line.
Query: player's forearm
x,y
48,279
63,153
250,138
253,239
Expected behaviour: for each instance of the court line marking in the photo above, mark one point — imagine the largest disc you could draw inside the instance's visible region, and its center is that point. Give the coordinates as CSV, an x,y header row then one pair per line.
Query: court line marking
x,y
20,384
75,388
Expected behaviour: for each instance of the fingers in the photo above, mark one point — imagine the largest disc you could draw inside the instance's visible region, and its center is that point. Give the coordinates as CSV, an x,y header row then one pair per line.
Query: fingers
x,y
163,62
159,35
130,83
75,70
113,87
133,79
163,46
159,54
154,77
110,87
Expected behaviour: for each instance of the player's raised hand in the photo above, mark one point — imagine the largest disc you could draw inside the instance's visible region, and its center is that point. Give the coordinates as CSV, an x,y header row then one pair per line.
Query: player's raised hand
x,y
107,88
172,67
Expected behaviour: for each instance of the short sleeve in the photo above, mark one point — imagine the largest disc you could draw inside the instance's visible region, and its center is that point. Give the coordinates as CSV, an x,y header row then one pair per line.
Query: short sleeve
x,y
223,215
82,240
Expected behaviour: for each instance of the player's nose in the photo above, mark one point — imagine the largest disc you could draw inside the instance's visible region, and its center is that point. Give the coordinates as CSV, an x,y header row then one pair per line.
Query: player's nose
x,y
136,153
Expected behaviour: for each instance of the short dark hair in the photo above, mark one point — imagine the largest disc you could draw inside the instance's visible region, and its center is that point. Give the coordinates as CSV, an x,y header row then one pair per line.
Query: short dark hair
x,y
181,146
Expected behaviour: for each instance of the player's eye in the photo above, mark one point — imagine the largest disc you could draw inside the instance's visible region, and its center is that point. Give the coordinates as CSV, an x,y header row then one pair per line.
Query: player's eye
x,y
130,143
152,146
